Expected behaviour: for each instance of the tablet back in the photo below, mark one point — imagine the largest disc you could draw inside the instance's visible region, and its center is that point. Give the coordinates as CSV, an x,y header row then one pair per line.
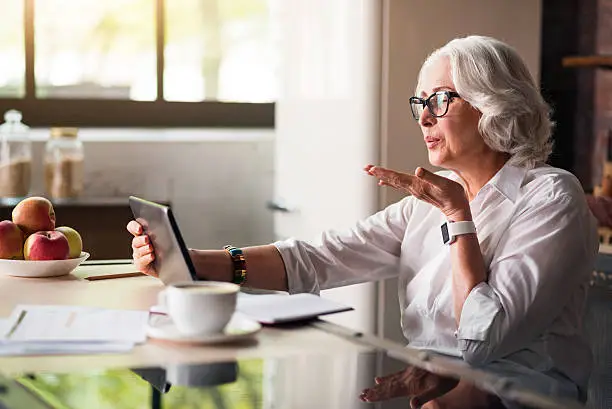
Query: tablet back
x,y
172,261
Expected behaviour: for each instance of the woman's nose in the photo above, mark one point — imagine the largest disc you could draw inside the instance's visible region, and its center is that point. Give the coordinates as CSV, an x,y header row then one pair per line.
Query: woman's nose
x,y
426,119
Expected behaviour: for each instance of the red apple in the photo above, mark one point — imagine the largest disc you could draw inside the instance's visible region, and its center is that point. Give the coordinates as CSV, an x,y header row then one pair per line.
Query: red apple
x,y
11,241
46,245
34,214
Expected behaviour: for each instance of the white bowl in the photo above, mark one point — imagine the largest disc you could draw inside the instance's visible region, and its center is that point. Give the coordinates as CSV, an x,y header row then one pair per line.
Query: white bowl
x,y
43,268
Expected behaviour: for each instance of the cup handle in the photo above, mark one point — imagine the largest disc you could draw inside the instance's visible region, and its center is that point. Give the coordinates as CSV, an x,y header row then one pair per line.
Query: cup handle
x,y
162,306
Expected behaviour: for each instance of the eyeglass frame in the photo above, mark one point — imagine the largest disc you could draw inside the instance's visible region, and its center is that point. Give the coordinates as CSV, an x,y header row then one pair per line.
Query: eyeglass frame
x,y
425,103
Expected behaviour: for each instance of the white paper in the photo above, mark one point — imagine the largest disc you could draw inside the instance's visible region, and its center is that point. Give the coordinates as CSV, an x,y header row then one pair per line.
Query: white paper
x,y
277,308
64,323
4,326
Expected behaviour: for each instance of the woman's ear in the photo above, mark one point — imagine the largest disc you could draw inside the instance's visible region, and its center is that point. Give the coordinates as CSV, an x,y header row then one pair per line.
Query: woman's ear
x,y
477,110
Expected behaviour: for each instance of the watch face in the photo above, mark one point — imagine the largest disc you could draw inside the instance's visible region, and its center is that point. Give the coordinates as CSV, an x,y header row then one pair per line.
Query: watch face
x,y
445,235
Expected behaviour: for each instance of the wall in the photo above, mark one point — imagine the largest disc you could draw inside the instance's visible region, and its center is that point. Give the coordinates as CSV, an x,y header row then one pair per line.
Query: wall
x,y
217,181
410,33
327,118
601,93
564,34
580,95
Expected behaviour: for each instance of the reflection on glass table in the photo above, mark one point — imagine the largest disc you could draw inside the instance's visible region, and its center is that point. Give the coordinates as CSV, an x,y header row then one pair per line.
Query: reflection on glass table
x,y
368,379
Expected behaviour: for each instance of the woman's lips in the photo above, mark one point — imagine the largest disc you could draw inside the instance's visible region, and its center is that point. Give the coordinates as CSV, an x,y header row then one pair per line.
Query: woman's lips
x,y
432,142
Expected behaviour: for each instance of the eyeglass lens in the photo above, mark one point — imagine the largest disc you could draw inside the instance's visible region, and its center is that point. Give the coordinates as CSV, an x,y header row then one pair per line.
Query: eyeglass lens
x,y
437,104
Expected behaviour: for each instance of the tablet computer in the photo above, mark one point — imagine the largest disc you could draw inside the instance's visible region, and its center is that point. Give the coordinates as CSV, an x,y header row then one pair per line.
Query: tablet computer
x,y
172,261
173,264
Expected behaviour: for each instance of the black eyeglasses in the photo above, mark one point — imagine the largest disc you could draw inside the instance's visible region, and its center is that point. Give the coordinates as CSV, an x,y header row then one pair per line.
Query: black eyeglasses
x,y
437,103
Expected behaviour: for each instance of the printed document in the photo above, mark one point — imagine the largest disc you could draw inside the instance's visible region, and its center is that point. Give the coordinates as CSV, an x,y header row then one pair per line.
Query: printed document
x,y
40,323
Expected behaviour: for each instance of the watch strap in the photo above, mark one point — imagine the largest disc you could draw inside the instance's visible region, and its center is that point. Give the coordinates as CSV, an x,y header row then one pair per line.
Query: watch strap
x,y
450,230
457,228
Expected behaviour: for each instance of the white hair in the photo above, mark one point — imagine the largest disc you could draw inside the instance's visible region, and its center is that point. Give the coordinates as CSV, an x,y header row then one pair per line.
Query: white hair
x,y
492,77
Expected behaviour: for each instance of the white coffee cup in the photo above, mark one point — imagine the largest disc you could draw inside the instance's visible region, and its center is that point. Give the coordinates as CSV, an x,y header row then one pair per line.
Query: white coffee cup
x,y
200,308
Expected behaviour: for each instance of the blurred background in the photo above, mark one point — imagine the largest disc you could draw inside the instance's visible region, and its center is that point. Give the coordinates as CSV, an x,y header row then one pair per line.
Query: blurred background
x,y
91,49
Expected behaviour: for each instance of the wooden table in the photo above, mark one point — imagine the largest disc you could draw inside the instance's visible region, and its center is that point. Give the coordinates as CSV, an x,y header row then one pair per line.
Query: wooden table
x,y
140,293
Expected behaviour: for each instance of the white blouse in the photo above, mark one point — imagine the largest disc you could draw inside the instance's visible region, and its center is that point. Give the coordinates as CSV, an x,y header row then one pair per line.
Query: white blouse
x,y
539,241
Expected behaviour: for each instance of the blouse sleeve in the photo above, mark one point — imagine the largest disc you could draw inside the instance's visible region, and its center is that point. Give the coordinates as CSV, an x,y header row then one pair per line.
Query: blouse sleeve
x,y
544,259
368,251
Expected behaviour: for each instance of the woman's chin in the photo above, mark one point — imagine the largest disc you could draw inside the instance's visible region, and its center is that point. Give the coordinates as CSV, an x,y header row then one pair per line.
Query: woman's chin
x,y
435,159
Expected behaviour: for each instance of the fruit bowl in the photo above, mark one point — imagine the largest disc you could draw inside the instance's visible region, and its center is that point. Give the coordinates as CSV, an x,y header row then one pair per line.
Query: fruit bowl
x,y
46,268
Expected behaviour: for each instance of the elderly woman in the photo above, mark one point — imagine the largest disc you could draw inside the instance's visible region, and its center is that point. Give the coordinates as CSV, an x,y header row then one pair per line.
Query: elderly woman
x,y
493,255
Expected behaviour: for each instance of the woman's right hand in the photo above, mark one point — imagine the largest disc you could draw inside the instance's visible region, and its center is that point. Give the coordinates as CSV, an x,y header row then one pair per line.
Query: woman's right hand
x,y
142,249
417,384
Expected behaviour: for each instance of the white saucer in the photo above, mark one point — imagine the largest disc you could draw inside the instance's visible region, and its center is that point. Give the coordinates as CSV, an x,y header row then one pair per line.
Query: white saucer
x,y
240,327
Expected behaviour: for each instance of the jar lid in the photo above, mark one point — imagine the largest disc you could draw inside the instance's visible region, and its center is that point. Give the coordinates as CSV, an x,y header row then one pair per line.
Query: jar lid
x,y
12,115
64,132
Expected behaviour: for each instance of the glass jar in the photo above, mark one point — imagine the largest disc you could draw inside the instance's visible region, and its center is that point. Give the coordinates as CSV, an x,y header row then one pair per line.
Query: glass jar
x,y
15,156
64,162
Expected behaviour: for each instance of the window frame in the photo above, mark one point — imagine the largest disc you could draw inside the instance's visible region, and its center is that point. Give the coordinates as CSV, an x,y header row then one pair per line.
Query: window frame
x,y
88,112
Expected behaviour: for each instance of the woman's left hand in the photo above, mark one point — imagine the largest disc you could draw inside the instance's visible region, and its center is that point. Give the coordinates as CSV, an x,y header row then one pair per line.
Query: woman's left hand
x,y
601,207
417,384
447,195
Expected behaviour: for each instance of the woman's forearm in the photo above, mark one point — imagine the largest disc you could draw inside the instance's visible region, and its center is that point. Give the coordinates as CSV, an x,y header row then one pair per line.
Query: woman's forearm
x,y
468,269
265,267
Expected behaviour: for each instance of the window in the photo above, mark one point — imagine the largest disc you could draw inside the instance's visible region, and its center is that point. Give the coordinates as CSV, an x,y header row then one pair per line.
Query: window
x,y
139,62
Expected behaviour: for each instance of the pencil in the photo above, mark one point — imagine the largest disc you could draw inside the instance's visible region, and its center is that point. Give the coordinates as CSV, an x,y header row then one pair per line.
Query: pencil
x,y
109,276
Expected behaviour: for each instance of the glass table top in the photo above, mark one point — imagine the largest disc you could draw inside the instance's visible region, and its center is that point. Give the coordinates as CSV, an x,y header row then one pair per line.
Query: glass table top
x,y
338,380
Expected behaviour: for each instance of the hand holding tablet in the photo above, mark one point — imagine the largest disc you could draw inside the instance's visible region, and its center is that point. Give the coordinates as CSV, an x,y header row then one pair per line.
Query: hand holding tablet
x,y
160,235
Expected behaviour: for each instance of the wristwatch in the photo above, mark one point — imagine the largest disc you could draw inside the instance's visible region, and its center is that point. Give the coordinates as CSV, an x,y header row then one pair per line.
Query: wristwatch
x,y
450,230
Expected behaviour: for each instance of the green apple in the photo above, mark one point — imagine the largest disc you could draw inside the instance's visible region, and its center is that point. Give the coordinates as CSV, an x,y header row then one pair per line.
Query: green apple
x,y
75,243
